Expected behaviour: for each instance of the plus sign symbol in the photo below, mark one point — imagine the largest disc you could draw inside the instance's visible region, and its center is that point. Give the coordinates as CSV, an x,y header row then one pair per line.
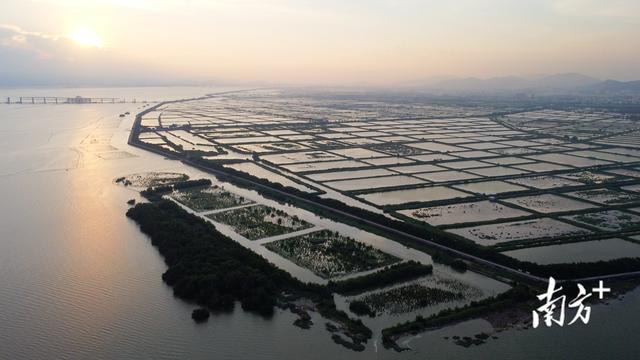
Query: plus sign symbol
x,y
601,290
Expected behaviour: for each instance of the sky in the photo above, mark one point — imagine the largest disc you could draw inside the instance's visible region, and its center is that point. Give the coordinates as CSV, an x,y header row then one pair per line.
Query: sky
x,y
322,42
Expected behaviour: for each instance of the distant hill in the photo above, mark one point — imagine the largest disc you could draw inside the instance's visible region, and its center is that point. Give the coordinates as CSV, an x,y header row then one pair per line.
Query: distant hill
x,y
614,86
476,84
568,81
565,81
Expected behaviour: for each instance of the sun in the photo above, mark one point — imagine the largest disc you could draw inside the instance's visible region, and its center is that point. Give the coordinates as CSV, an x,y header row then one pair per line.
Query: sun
x,y
86,37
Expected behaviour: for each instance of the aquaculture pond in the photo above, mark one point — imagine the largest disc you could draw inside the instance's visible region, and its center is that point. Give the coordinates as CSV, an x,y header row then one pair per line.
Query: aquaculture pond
x,y
490,187
549,203
461,165
354,174
545,182
413,169
634,188
625,172
424,194
324,165
561,159
444,176
493,234
497,171
610,220
373,183
259,171
541,167
606,196
463,213
606,156
587,251
358,153
588,177
298,157
508,160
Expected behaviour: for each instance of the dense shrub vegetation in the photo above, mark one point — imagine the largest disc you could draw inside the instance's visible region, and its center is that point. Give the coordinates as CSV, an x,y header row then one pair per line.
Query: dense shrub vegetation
x,y
153,192
191,183
387,276
200,315
361,308
214,271
207,267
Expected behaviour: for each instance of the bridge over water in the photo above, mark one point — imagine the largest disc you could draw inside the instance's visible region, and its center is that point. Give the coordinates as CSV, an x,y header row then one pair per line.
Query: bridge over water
x,y
68,100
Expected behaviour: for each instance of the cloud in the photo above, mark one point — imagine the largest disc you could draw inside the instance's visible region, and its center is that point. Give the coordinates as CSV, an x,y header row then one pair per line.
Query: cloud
x,y
40,44
598,8
34,58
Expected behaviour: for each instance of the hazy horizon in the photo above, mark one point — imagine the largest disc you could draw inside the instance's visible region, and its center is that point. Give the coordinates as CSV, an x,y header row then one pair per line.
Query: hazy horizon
x,y
283,42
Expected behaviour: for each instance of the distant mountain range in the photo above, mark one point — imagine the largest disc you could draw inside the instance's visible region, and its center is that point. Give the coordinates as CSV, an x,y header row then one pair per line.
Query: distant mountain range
x,y
558,83
616,86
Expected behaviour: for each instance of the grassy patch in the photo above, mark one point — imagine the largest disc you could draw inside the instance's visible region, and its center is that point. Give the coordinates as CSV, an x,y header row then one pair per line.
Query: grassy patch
x,y
408,298
257,222
150,179
210,198
387,276
329,254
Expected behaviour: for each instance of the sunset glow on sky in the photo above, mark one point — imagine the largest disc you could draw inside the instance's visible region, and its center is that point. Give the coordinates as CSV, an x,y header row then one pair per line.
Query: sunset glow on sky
x,y
325,42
